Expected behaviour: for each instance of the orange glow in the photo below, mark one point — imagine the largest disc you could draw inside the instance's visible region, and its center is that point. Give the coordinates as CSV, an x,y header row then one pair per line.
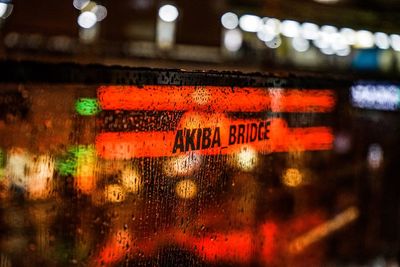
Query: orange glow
x,y
41,170
321,231
292,177
114,193
126,145
85,171
117,247
234,246
186,189
269,232
214,98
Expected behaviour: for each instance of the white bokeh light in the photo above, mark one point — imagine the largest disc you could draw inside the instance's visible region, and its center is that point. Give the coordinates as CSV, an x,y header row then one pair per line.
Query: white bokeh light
x,y
395,42
364,39
3,9
349,35
309,31
264,34
230,21
80,4
300,44
325,37
168,13
233,40
338,42
100,12
290,28
327,51
250,23
274,43
343,52
382,40
87,19
273,26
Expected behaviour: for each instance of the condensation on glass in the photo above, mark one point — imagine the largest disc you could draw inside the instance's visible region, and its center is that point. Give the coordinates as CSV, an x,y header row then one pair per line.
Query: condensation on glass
x,y
170,168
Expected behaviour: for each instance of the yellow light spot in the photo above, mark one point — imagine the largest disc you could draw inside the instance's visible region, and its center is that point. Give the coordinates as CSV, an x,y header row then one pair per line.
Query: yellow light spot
x,y
186,189
114,193
131,180
246,159
182,165
85,170
292,177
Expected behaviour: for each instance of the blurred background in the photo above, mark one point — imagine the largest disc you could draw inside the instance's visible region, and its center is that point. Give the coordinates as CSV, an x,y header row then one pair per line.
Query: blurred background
x,y
332,36
86,174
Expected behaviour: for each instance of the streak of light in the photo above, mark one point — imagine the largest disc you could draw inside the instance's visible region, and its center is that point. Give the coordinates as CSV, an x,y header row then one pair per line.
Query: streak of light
x,y
339,221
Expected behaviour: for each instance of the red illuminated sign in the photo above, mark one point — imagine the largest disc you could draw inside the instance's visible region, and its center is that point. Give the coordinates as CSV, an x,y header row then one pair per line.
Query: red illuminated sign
x,y
280,138
214,98
205,127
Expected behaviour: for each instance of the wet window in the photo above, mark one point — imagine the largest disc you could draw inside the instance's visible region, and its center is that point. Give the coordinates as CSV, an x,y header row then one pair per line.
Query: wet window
x,y
115,167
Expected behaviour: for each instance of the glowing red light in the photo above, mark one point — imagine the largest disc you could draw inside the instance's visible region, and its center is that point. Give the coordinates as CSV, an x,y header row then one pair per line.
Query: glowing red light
x,y
214,98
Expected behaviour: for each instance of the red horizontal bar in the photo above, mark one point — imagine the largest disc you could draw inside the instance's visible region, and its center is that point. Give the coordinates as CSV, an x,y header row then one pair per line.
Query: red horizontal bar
x,y
126,145
214,98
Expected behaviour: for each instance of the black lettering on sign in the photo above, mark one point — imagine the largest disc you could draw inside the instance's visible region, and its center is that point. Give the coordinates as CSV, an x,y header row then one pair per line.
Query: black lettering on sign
x,y
199,134
267,124
206,138
253,132
232,134
190,139
260,136
216,138
241,134
178,144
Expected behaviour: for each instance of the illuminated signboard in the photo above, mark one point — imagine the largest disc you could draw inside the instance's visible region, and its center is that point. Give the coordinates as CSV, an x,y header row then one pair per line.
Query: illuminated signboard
x,y
375,96
207,126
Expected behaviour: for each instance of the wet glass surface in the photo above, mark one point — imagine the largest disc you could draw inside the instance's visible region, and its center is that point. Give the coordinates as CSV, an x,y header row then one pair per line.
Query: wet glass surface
x,y
189,169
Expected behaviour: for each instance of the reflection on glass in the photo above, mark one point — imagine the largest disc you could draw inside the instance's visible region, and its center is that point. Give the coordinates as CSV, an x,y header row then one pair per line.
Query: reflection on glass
x,y
205,175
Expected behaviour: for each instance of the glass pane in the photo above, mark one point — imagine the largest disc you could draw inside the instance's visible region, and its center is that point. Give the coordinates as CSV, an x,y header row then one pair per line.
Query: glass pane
x,y
112,167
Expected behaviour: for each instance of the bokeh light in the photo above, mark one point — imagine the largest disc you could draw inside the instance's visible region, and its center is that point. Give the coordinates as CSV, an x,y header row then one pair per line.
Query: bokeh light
x,y
182,165
395,42
250,23
3,9
274,43
230,21
87,19
364,39
114,193
100,12
246,159
233,40
87,106
186,189
292,177
300,44
309,31
375,156
290,28
80,4
168,13
382,40
131,180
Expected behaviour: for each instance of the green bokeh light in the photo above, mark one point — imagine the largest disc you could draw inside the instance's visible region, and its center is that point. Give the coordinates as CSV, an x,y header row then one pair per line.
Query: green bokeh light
x,y
67,165
87,106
